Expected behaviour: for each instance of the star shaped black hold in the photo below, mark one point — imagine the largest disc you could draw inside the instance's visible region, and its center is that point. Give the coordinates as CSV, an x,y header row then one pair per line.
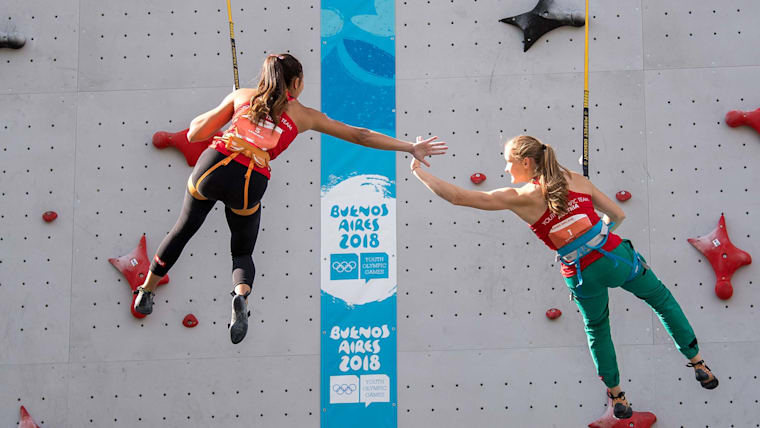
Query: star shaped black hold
x,y
545,17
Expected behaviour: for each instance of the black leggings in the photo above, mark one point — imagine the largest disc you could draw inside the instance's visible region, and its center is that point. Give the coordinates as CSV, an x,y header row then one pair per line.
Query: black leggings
x,y
226,184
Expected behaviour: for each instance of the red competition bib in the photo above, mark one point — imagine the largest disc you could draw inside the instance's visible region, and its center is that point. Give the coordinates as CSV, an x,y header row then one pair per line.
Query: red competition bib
x,y
569,229
264,135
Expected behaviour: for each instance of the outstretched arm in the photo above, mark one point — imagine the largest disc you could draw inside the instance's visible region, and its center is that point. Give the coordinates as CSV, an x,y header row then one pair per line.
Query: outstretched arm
x,y
368,138
499,199
206,124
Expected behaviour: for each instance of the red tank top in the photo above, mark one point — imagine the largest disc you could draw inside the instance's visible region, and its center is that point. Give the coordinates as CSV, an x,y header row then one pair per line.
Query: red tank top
x,y
275,138
555,230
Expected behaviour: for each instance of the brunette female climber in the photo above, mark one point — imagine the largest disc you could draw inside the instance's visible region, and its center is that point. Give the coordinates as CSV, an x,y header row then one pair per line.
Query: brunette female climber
x,y
559,205
235,169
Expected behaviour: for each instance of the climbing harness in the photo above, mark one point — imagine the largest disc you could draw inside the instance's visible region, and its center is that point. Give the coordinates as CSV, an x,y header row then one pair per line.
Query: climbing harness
x,y
593,240
238,146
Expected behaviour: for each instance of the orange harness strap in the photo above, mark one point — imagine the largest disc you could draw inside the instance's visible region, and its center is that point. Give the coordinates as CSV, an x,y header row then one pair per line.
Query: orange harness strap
x,y
247,211
237,146
193,189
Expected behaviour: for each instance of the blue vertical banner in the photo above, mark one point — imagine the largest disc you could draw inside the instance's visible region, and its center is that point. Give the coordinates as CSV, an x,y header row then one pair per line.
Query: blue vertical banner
x,y
358,218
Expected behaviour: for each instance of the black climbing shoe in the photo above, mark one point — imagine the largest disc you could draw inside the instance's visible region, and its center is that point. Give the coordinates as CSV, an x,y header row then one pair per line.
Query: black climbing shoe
x,y
239,321
702,373
621,409
144,301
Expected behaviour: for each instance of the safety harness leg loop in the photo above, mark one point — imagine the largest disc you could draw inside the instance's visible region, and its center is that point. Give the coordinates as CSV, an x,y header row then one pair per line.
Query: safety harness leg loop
x,y
193,188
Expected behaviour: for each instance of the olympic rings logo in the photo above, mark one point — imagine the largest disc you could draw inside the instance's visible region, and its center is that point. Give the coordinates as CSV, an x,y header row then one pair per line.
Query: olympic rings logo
x,y
344,389
344,267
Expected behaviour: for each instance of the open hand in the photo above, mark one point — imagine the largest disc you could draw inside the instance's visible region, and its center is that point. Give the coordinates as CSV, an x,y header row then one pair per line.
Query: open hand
x,y
422,148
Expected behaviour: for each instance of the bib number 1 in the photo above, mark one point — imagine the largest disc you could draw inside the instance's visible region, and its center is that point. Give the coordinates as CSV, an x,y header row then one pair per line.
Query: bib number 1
x,y
569,229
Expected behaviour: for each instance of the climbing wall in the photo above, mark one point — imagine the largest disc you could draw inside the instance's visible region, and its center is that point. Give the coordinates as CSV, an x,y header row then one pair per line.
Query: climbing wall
x,y
81,100
475,346
80,103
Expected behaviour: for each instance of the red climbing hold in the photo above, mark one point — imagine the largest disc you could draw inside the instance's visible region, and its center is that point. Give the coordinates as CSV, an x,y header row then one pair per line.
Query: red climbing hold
x,y
638,420
134,266
478,178
623,195
724,290
26,421
553,313
192,151
724,257
49,216
736,118
190,321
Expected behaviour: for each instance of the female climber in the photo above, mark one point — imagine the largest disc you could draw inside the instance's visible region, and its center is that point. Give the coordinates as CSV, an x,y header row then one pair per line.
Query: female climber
x,y
235,169
559,205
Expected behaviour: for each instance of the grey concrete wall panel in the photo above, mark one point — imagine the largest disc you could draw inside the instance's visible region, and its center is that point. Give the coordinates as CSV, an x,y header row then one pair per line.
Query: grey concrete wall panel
x,y
182,44
41,388
493,388
273,26
228,392
114,154
555,387
462,275
699,168
37,163
700,34
466,39
677,399
48,60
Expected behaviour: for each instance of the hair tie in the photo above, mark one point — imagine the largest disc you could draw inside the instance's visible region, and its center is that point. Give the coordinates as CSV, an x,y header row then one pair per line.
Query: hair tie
x,y
277,56
543,146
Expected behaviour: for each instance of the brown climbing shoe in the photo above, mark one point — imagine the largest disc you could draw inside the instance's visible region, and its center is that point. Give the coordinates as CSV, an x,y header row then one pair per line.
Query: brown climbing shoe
x,y
703,374
621,408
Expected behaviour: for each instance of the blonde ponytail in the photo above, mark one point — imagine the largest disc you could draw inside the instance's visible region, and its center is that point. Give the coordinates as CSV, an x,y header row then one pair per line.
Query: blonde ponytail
x,y
551,175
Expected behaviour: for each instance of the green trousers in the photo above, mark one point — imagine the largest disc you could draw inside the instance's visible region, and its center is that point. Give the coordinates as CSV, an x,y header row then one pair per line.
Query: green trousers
x,y
593,302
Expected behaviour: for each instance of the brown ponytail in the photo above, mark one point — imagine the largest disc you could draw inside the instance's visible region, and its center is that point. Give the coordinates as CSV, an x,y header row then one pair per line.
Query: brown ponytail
x,y
551,174
270,99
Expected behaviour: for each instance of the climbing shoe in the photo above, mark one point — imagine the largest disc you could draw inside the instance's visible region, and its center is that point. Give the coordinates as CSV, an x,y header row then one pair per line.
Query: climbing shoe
x,y
621,409
702,373
239,320
144,301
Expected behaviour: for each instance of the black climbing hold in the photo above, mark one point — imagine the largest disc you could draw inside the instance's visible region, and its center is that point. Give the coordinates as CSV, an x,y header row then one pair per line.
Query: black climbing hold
x,y
11,39
546,16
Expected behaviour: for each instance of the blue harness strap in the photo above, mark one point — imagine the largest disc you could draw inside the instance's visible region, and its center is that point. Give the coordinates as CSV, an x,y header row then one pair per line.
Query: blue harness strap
x,y
582,247
582,240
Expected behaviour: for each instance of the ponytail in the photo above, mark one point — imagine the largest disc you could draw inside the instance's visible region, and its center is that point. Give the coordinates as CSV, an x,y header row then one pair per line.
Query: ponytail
x,y
271,97
551,175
